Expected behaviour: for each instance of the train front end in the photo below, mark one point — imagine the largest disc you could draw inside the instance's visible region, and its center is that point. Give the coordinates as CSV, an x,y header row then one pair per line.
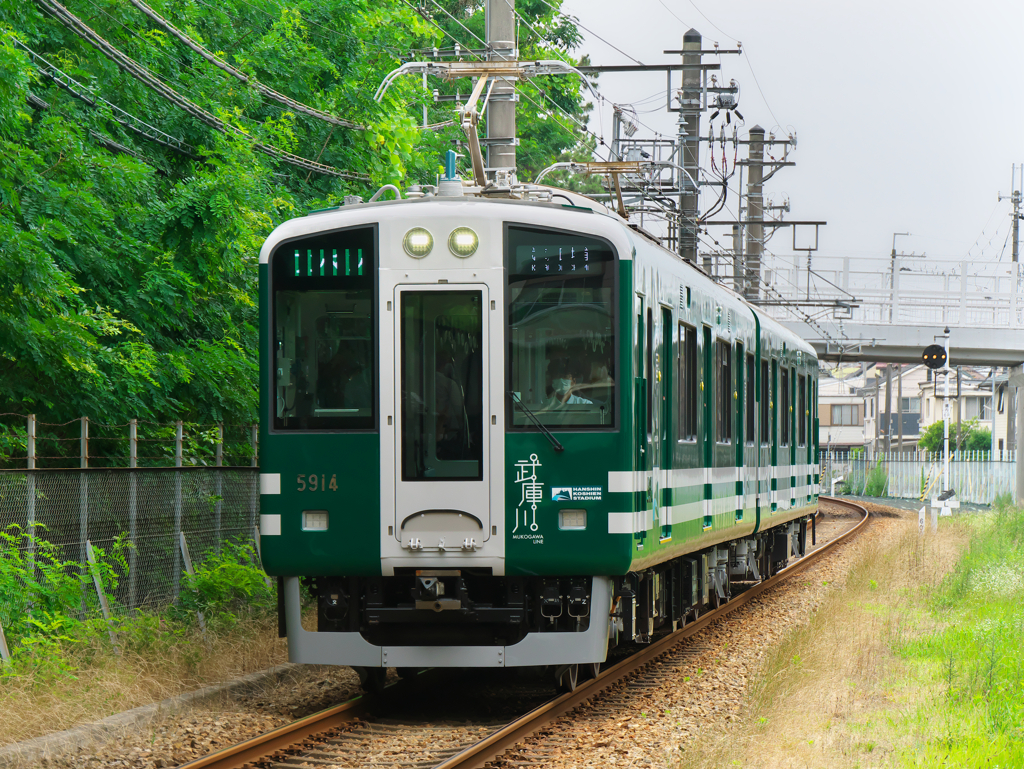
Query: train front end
x,y
441,406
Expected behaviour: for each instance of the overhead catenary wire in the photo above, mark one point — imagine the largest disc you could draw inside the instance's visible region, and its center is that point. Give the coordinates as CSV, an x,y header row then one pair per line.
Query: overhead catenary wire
x,y
143,75
576,21
223,65
86,95
525,95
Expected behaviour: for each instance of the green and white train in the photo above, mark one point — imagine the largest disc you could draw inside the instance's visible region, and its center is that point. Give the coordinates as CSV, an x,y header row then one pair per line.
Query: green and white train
x,y
509,432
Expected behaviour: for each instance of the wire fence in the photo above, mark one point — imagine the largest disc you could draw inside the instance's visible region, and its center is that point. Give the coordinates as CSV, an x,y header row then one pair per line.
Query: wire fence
x,y
976,476
151,508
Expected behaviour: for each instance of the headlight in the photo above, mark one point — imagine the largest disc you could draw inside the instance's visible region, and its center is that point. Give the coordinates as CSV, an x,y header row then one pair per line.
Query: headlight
x,y
418,242
463,242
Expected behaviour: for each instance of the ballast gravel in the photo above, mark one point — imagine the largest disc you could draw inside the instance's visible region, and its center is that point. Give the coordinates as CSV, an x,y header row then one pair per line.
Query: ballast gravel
x,y
646,723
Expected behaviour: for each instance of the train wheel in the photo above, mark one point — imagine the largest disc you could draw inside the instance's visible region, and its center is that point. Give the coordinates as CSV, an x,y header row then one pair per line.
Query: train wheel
x,y
372,679
566,677
590,670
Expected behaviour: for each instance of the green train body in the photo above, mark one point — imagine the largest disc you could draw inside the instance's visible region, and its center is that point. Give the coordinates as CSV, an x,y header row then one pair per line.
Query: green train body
x,y
404,479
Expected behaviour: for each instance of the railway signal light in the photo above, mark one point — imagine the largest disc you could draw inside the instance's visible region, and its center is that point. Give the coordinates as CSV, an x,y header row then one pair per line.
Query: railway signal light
x,y
934,356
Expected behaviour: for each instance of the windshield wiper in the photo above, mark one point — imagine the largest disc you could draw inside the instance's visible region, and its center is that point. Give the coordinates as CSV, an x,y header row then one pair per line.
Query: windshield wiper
x,y
533,418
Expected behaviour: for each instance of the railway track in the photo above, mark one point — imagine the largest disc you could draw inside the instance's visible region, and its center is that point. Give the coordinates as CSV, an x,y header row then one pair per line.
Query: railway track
x,y
349,736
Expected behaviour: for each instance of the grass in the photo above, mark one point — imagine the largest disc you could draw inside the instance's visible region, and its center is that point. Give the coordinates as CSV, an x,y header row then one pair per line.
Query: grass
x,y
65,669
917,662
157,662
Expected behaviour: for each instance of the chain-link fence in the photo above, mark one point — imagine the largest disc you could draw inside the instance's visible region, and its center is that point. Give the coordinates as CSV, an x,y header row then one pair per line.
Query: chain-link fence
x,y
150,507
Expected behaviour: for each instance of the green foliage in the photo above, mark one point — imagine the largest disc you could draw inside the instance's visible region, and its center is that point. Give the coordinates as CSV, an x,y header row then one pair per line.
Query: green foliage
x,y
878,479
128,279
46,603
227,586
970,438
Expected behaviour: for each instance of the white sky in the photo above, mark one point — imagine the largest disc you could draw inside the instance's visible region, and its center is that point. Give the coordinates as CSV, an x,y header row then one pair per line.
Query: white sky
x,y
908,114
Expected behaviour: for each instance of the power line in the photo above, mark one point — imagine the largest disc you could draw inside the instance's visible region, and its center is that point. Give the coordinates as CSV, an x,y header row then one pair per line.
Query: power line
x,y
576,21
525,95
126,119
223,65
144,76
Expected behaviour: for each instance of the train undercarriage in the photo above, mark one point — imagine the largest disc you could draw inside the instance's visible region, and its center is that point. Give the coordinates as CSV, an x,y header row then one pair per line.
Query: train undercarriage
x,y
473,610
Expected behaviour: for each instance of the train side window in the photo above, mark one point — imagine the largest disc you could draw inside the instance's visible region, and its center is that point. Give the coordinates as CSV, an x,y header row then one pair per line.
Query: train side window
x,y
785,408
766,397
723,386
750,401
801,411
687,368
650,373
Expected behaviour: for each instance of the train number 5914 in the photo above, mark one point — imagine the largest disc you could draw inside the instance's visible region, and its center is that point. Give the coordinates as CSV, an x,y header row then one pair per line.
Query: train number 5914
x,y
314,482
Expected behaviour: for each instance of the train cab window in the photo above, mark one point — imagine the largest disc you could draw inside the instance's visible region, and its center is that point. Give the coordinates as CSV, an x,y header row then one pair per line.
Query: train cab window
x,y
766,397
724,402
785,408
750,403
688,384
801,410
561,329
324,363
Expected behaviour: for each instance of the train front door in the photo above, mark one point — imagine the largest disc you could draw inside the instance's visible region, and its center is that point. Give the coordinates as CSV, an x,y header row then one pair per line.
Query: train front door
x,y
442,423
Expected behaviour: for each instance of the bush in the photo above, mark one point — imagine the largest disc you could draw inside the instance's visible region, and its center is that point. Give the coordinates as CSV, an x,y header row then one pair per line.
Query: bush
x,y
46,602
227,586
878,479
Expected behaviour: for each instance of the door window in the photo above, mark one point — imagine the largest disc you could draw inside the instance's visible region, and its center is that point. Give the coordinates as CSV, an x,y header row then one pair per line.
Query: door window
x,y
442,385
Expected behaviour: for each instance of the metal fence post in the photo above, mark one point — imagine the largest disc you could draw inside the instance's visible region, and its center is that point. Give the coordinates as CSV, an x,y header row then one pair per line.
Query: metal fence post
x,y
30,490
83,492
192,573
104,606
219,484
5,653
254,486
133,509
177,508
259,555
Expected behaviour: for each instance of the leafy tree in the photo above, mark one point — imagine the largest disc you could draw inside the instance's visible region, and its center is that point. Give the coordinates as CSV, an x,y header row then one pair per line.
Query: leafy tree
x,y
128,267
971,437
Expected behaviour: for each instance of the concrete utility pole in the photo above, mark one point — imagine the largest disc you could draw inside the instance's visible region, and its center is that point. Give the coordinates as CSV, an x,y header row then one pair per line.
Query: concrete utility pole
x,y
1015,198
755,217
501,109
888,407
689,145
899,405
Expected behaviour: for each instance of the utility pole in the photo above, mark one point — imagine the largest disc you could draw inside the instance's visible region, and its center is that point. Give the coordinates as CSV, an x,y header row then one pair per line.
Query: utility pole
x,y
501,107
689,145
1014,197
755,216
892,273
737,259
888,408
899,406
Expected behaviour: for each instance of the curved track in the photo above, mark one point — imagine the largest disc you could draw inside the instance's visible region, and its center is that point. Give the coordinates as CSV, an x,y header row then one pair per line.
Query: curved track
x,y
327,738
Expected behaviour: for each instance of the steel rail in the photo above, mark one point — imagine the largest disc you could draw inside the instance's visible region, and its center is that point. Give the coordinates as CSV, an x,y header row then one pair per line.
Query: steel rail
x,y
291,736
490,748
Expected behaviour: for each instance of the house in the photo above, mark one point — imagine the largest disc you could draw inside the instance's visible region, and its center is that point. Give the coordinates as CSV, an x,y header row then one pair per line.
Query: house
x,y
841,409
901,384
